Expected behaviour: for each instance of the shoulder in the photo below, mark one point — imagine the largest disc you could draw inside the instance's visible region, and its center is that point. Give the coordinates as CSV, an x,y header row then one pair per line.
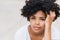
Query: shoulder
x,y
21,33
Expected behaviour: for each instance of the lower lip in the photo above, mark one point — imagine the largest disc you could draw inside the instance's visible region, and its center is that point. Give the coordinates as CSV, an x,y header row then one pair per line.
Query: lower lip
x,y
36,28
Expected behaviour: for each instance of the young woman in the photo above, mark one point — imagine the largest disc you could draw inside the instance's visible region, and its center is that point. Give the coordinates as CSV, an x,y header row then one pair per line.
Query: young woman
x,y
40,14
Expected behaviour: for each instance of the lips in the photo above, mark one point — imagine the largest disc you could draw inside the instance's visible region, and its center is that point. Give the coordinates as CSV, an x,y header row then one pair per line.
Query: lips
x,y
36,27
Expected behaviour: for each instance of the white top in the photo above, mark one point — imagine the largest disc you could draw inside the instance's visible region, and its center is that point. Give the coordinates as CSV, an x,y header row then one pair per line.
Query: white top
x,y
23,34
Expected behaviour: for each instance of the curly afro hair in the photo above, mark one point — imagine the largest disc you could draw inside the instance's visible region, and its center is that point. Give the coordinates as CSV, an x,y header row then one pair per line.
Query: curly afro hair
x,y
32,6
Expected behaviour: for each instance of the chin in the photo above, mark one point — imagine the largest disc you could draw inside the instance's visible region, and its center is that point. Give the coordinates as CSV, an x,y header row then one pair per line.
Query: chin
x,y
38,31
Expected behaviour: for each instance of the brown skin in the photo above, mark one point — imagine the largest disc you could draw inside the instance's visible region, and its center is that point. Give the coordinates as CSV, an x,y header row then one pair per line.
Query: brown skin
x,y
40,25
48,23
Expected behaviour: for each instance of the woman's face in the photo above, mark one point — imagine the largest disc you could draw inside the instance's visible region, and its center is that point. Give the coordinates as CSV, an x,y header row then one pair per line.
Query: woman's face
x,y
37,22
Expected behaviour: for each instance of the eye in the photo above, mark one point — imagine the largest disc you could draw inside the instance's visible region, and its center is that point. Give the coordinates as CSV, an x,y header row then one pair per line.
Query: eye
x,y
42,19
33,18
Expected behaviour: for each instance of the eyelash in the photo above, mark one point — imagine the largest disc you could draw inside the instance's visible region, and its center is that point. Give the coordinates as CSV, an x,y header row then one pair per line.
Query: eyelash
x,y
32,18
43,19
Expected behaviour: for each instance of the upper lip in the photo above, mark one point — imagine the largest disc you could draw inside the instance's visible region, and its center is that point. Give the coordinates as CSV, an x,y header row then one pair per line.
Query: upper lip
x,y
36,26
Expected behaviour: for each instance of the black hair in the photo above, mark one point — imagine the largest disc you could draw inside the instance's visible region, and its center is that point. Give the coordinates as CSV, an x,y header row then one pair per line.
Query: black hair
x,y
32,6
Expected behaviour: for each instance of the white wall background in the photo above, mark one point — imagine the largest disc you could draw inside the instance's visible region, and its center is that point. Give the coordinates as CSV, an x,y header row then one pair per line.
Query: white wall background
x,y
11,20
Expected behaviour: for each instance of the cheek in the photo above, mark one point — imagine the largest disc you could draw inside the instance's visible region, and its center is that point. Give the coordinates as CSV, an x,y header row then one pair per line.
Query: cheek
x,y
42,23
32,22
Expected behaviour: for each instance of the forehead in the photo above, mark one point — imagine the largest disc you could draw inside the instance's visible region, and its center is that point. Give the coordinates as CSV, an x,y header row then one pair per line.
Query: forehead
x,y
39,14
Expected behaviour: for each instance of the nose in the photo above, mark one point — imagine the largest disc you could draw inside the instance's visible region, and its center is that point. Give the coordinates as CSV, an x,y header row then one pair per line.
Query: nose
x,y
37,22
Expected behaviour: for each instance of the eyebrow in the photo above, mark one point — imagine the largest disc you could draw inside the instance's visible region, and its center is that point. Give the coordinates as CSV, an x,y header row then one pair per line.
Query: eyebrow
x,y
39,17
42,17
